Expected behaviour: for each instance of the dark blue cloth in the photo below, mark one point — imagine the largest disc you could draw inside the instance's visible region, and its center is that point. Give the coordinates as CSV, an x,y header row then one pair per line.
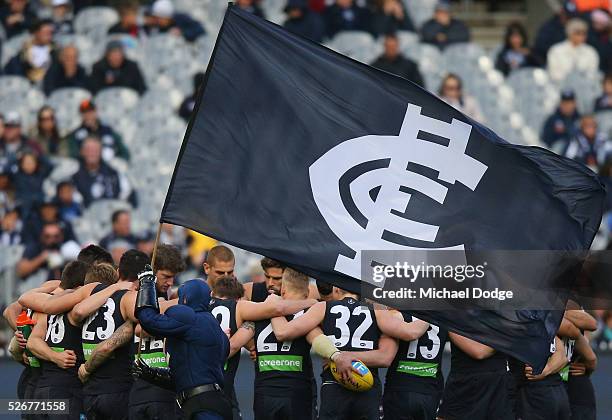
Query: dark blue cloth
x,y
197,346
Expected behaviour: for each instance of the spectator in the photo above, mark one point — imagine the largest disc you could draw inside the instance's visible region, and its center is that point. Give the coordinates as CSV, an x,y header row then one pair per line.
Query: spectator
x,y
10,228
250,6
345,15
451,91
68,203
163,19
188,103
393,61
302,21
46,133
66,72
516,53
573,54
589,147
117,249
390,16
7,192
48,212
28,180
62,17
562,125
604,102
36,55
128,21
121,230
95,180
599,38
43,260
114,69
443,29
553,30
13,142
16,17
91,126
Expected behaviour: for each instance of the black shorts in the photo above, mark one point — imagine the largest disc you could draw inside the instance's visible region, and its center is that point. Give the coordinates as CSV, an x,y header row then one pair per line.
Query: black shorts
x,y
155,410
547,402
338,403
270,407
583,412
477,396
409,405
107,406
74,396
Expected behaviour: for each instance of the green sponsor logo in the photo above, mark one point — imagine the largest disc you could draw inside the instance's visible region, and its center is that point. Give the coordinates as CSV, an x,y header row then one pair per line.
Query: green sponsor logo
x,y
58,349
225,366
34,362
564,373
88,349
418,368
282,363
157,359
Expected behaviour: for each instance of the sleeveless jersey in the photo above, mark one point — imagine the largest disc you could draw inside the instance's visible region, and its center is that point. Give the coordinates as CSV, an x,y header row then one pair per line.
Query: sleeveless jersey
x,y
418,363
281,366
351,325
114,375
569,353
34,361
225,312
463,364
259,292
62,335
580,389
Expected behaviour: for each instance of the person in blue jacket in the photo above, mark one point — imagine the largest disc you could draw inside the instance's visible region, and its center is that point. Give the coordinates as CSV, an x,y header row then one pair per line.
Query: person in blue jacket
x,y
195,343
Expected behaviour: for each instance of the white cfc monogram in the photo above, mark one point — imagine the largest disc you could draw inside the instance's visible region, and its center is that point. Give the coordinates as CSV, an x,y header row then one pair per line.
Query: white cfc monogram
x,y
383,212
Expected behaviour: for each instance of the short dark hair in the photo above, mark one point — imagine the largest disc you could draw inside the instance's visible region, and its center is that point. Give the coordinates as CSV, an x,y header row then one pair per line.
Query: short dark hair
x,y
324,288
117,214
219,253
103,273
94,254
228,287
169,258
132,263
39,23
267,263
73,274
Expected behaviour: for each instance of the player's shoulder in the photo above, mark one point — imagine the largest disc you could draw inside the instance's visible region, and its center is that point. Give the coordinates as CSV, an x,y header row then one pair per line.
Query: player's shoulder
x,y
182,313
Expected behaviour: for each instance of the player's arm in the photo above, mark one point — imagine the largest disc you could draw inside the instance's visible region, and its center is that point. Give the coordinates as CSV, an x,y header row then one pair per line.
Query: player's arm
x,y
555,363
122,336
241,338
568,329
472,348
272,307
248,290
64,302
581,319
381,357
392,323
288,330
92,303
587,361
313,292
37,345
11,313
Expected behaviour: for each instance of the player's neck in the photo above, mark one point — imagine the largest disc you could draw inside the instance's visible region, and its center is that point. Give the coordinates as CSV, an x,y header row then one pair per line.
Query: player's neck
x,y
294,296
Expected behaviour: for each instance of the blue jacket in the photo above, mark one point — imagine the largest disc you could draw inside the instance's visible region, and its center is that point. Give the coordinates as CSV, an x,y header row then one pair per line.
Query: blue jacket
x,y
196,344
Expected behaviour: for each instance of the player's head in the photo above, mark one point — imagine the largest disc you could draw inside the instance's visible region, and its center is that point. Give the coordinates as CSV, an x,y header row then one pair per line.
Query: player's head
x,y
294,284
168,263
132,263
94,254
103,273
325,290
273,270
196,294
228,287
73,275
339,294
219,262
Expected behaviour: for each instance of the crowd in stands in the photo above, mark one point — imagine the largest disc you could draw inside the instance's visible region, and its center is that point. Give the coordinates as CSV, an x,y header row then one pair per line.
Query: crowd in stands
x,y
574,40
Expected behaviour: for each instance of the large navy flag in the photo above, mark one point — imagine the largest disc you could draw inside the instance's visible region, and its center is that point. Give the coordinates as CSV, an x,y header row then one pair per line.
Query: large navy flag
x,y
306,156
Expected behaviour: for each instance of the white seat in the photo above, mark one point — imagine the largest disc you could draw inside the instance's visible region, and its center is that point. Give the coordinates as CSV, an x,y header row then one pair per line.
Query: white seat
x,y
12,85
115,102
604,122
11,47
94,17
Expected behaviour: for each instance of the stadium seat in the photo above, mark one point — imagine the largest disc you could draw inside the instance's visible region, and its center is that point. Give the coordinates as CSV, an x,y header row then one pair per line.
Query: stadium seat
x,y
587,87
420,11
604,122
89,52
13,85
11,47
358,45
116,101
66,102
92,19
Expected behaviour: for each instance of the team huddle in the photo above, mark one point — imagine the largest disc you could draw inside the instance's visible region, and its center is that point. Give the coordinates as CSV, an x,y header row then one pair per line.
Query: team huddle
x,y
100,339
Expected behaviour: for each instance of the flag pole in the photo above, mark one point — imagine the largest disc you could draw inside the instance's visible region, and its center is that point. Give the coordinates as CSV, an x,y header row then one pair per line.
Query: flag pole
x,y
153,255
